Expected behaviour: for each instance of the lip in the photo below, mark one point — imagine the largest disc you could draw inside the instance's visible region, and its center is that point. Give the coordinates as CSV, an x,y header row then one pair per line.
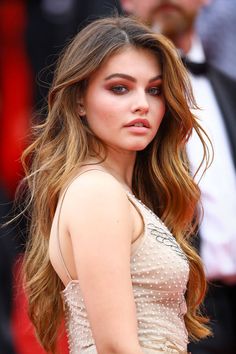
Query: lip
x,y
145,123
168,7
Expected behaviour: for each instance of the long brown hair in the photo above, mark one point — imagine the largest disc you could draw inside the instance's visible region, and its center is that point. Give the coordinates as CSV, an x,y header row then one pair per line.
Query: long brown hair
x,y
161,175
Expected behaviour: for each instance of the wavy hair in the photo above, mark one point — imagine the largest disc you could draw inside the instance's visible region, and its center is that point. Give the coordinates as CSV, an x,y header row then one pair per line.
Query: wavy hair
x,y
161,178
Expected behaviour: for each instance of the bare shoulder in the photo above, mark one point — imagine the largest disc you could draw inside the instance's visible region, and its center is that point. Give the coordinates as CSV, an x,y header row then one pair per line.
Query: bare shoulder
x,y
95,184
95,192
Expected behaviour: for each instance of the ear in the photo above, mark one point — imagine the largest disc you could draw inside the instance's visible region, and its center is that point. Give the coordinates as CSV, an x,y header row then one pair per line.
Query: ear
x,y
81,108
81,111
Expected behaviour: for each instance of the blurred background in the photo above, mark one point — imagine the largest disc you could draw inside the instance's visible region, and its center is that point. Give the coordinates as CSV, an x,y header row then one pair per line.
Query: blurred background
x,y
32,34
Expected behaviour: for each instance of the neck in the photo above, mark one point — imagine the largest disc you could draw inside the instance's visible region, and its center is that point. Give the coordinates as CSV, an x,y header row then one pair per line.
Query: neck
x,y
120,165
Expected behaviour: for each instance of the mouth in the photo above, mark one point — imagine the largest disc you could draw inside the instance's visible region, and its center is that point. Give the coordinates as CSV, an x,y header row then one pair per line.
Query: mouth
x,y
139,123
168,7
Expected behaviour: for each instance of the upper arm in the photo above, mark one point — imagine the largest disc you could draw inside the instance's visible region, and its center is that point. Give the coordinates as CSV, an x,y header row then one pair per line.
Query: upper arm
x,y
100,225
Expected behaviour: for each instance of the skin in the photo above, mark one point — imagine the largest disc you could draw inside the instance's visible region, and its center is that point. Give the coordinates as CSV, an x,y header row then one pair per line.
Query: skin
x,y
98,223
113,101
173,18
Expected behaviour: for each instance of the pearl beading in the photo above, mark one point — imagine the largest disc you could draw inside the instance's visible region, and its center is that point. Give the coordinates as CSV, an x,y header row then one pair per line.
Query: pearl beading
x,y
159,273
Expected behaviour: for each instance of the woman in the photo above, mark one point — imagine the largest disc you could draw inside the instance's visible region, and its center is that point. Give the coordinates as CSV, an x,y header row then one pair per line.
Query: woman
x,y
112,200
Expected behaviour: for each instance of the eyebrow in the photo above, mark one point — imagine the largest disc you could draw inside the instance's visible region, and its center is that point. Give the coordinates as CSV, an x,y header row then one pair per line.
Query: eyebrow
x,y
130,78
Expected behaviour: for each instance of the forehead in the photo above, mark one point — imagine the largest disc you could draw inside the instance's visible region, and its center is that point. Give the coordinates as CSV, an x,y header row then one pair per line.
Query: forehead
x,y
131,61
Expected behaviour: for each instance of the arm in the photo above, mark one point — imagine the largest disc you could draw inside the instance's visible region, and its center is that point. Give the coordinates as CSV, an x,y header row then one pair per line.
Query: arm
x,y
100,225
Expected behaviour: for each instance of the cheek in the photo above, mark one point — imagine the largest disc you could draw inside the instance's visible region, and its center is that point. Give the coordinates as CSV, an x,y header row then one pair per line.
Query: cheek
x,y
101,115
159,115
101,106
160,111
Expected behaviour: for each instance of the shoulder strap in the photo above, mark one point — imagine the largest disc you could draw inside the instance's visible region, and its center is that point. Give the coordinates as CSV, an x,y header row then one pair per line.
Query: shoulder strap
x,y
58,220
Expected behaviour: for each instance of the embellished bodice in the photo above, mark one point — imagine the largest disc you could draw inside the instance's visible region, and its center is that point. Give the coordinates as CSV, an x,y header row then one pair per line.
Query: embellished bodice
x,y
159,271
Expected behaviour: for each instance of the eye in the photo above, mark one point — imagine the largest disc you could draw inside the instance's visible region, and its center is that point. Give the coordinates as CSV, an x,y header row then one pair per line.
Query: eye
x,y
155,90
119,89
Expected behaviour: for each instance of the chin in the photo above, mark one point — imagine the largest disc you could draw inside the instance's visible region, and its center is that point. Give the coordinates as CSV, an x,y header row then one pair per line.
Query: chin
x,y
138,147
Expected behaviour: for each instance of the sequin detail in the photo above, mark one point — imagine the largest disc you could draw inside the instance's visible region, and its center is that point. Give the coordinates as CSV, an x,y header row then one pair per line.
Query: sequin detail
x,y
159,273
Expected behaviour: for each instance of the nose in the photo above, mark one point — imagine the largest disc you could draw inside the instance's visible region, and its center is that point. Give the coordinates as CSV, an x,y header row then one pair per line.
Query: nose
x,y
140,103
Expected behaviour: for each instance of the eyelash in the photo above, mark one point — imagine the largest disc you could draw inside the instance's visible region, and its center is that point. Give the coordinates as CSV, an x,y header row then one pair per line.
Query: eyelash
x,y
158,90
116,89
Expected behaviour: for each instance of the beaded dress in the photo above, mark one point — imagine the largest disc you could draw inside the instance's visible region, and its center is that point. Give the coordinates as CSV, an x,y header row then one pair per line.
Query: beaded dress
x,y
159,271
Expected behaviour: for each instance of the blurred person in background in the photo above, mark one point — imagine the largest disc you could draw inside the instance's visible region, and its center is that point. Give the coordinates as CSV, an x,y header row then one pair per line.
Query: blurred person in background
x,y
216,26
215,94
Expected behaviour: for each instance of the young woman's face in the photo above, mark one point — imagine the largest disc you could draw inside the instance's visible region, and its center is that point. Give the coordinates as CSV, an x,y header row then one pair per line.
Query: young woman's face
x,y
123,102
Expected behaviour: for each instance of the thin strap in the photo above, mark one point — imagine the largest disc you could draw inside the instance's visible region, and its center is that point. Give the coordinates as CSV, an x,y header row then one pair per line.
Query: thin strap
x,y
58,219
136,204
